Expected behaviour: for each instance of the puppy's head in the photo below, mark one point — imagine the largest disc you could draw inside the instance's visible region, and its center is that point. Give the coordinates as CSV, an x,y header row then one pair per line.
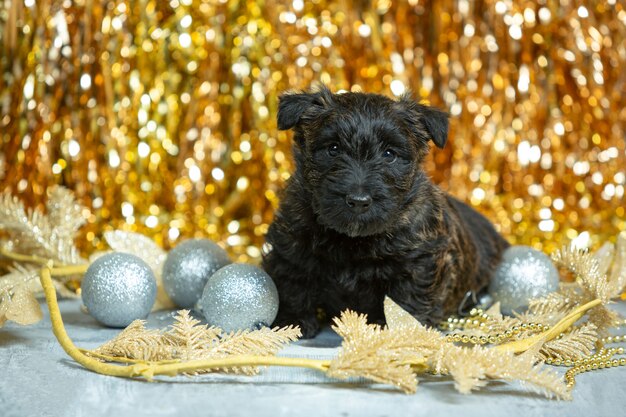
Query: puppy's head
x,y
359,155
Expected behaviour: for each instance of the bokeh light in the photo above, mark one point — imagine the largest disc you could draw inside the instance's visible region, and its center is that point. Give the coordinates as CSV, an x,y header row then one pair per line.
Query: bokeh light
x,y
160,115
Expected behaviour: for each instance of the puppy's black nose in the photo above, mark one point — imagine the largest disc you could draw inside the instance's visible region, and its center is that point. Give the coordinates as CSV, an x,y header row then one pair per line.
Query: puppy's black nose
x,y
359,203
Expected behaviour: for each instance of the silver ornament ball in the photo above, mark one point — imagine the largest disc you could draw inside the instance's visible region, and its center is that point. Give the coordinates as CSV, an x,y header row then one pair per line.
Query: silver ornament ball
x,y
118,288
524,273
239,297
188,267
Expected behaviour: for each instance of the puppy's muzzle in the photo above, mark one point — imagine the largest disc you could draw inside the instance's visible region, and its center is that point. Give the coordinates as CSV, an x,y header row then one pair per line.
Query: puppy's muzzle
x,y
359,203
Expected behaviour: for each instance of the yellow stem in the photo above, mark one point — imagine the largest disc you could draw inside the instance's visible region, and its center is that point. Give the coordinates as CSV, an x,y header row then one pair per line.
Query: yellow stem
x,y
417,365
66,343
519,346
57,270
23,258
149,369
65,270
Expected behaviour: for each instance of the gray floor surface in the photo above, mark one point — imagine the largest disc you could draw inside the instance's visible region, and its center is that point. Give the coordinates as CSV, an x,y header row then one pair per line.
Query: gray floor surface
x,y
38,379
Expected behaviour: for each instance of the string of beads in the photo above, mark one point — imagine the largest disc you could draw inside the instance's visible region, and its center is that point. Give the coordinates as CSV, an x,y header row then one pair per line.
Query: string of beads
x,y
478,319
602,359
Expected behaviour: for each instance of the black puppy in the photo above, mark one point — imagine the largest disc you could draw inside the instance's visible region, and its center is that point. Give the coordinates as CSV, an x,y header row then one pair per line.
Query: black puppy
x,y
359,219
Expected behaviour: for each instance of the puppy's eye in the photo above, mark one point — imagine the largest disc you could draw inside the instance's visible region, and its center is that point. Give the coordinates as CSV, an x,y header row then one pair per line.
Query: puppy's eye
x,y
333,149
389,155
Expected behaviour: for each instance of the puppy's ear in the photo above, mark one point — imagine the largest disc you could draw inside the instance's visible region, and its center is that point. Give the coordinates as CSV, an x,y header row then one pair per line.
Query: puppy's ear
x,y
433,120
293,106
436,123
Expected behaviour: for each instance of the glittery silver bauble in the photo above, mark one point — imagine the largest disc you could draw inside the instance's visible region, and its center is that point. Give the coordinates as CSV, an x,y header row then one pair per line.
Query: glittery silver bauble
x,y
239,297
118,288
524,273
188,267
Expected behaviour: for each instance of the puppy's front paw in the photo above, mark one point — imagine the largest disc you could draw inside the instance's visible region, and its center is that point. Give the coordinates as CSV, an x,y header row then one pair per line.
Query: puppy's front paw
x,y
309,326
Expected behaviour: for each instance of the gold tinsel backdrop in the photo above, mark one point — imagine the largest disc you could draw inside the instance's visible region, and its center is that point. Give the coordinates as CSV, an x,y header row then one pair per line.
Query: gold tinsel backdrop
x,y
160,115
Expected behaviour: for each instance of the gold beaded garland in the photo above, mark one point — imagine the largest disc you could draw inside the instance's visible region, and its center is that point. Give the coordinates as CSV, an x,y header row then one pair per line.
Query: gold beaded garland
x,y
613,339
477,320
601,359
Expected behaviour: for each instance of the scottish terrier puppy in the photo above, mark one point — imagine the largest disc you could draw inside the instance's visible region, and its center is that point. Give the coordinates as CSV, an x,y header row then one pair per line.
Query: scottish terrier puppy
x,y
359,218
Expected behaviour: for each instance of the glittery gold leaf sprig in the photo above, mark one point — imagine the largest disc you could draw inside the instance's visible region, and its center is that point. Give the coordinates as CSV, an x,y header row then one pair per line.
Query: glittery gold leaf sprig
x,y
394,354
586,269
576,344
379,354
138,245
43,236
261,342
137,342
592,284
66,216
472,367
617,275
48,235
17,299
187,339
605,256
189,336
552,304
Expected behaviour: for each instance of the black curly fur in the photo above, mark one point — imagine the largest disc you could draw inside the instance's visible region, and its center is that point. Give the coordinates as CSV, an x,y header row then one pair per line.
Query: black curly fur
x,y
412,242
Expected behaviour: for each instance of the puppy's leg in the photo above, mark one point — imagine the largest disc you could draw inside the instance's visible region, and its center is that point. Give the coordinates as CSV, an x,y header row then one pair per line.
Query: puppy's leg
x,y
297,295
296,308
416,296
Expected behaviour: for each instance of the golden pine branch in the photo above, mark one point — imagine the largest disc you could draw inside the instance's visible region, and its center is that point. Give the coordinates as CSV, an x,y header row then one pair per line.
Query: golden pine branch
x,y
576,344
43,236
188,340
392,354
49,235
472,367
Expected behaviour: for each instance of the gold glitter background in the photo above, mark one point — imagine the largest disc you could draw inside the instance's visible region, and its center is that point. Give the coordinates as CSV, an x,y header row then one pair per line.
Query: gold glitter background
x,y
160,115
